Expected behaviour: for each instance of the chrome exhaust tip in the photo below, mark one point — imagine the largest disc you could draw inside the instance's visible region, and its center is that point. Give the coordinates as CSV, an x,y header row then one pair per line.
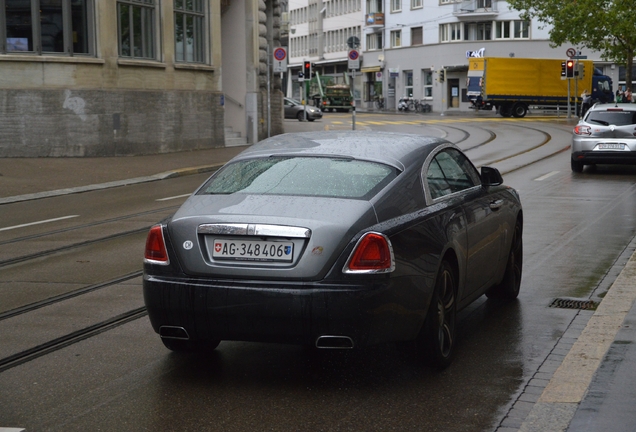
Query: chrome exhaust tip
x,y
334,342
172,332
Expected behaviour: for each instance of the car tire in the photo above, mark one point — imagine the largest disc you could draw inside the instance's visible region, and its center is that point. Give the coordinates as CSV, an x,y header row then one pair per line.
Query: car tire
x,y
300,116
436,341
508,288
180,345
576,166
505,110
519,110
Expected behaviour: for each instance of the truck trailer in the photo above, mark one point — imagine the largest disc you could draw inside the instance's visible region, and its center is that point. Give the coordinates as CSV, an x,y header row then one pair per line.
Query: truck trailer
x,y
512,85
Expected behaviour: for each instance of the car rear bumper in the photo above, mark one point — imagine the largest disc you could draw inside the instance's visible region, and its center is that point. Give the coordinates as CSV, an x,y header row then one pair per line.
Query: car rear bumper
x,y
605,157
294,313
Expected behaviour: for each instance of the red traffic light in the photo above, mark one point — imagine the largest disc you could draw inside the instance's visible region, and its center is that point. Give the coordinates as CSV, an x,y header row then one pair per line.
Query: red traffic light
x,y
569,73
307,69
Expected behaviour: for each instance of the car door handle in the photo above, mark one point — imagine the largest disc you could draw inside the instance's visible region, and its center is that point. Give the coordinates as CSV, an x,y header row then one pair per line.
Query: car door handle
x,y
495,205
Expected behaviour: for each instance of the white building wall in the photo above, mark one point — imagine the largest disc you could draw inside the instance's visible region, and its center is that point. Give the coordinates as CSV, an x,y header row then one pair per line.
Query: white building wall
x,y
432,55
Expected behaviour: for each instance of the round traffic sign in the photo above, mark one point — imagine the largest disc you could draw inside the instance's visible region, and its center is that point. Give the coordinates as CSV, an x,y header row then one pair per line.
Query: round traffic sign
x,y
571,52
353,55
280,54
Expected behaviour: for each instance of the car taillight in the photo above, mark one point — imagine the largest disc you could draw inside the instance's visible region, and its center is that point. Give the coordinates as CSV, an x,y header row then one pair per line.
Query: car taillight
x,y
583,130
372,254
156,252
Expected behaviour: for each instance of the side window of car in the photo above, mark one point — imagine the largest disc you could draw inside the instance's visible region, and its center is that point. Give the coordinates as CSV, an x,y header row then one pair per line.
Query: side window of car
x,y
449,172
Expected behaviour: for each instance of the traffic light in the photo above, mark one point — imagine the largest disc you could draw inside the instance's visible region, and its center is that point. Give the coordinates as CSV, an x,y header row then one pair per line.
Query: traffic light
x,y
563,70
307,69
442,75
569,69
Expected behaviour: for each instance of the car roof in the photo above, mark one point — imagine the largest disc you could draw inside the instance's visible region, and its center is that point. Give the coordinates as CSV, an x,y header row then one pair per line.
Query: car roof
x,y
395,149
605,106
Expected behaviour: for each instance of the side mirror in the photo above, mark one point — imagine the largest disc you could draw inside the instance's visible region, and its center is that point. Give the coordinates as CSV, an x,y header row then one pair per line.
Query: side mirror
x,y
490,176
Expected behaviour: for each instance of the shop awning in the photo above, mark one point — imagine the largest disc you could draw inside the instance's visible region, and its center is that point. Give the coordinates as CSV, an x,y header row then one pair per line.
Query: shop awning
x,y
370,69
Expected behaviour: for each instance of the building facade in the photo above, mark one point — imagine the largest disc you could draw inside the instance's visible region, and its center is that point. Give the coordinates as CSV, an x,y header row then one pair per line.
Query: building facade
x,y
321,31
420,48
123,77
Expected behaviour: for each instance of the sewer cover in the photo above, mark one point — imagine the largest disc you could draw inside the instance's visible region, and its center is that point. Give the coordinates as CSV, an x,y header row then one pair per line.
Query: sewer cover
x,y
563,303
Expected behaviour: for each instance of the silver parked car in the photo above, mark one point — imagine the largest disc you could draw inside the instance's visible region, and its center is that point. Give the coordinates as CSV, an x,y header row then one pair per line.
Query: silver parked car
x,y
294,110
605,135
335,240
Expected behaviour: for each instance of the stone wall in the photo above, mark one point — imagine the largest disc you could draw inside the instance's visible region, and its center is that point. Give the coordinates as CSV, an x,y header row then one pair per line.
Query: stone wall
x,y
63,122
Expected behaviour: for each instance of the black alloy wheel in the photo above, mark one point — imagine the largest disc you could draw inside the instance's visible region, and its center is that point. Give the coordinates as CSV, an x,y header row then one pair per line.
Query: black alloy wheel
x,y
508,289
437,338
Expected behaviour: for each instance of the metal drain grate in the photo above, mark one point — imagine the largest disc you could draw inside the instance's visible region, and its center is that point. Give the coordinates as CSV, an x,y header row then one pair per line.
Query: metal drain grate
x,y
573,304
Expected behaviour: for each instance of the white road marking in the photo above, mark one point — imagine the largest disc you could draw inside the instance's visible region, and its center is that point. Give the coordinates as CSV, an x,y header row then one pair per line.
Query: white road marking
x,y
38,222
543,177
173,197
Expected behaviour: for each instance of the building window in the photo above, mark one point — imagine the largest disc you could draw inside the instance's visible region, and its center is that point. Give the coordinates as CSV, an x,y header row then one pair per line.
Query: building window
x,y
136,19
450,32
375,6
521,30
396,38
189,31
416,36
427,84
47,27
511,29
396,5
408,83
416,4
478,31
374,41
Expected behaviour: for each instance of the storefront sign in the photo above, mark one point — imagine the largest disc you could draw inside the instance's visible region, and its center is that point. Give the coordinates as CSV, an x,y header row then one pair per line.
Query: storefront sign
x,y
394,73
479,53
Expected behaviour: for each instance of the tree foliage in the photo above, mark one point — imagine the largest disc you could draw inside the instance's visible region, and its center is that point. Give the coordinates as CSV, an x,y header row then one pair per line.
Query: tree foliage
x,y
606,26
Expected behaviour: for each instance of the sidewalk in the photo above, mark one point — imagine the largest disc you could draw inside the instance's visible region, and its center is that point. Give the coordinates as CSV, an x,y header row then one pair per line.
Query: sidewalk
x,y
593,388
31,178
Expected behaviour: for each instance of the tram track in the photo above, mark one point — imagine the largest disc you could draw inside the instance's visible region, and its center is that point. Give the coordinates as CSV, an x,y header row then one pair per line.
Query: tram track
x,y
70,339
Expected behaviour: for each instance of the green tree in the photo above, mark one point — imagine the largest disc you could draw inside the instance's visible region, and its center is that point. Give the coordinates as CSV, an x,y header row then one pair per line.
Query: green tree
x,y
606,26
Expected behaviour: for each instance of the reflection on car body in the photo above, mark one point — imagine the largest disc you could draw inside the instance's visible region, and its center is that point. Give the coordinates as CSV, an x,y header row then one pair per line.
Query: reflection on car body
x,y
605,135
338,240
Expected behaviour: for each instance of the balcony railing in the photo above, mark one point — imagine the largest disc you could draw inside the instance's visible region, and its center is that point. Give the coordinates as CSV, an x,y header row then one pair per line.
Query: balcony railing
x,y
375,19
476,8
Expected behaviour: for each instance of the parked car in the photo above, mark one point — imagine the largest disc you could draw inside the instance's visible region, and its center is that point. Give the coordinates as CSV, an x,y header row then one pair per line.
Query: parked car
x,y
605,135
335,240
294,110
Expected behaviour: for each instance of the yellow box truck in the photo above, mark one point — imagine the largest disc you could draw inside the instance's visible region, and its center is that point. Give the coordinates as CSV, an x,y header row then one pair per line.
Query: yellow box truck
x,y
512,85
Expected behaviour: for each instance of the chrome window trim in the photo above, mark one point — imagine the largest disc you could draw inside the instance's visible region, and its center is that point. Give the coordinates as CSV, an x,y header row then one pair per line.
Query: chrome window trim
x,y
427,193
254,230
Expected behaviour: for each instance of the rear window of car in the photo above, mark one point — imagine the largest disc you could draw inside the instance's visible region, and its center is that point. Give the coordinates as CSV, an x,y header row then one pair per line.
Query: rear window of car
x,y
302,176
617,118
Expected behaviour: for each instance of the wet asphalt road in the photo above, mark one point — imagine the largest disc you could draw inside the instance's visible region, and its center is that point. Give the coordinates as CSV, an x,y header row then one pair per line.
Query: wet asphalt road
x,y
576,227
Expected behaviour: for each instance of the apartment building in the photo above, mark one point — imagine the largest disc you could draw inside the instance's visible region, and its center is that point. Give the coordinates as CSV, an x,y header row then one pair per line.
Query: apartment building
x,y
119,77
420,48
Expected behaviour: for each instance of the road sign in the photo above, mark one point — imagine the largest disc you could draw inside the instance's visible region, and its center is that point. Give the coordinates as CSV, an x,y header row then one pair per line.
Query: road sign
x,y
280,59
571,52
354,59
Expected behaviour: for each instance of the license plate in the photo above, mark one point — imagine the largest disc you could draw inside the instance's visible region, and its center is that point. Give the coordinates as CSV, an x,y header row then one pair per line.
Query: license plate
x,y
253,250
611,146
